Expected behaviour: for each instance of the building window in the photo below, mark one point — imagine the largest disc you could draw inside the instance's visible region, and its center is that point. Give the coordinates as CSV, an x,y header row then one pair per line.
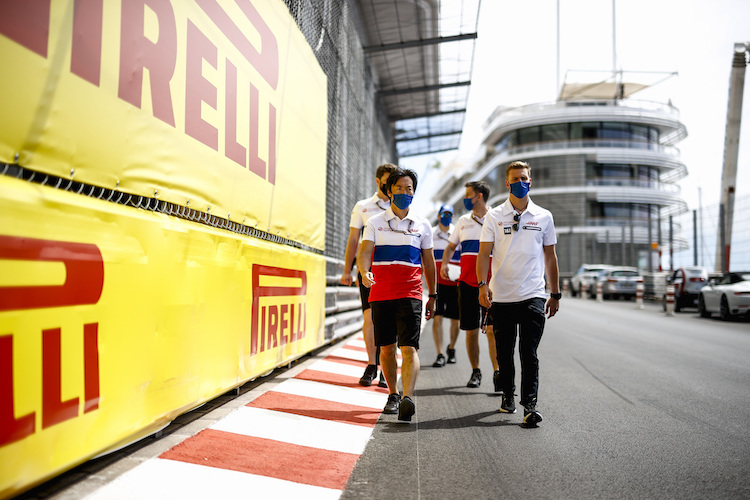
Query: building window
x,y
528,135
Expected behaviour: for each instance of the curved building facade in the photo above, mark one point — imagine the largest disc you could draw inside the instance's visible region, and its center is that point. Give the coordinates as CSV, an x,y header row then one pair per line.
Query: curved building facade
x,y
606,168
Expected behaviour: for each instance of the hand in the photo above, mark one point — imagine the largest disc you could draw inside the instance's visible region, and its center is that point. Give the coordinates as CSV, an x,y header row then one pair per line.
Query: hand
x,y
553,305
430,308
444,273
368,279
346,278
485,296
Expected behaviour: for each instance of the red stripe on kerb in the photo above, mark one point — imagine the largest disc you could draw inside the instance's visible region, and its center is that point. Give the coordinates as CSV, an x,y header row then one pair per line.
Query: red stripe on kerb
x,y
317,408
355,348
266,457
336,379
346,361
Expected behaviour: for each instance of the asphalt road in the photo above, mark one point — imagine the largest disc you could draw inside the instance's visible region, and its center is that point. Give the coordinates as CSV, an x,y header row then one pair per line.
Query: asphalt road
x,y
636,405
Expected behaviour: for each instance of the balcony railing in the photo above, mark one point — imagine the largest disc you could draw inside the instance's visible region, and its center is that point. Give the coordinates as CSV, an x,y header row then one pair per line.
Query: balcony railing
x,y
639,183
591,143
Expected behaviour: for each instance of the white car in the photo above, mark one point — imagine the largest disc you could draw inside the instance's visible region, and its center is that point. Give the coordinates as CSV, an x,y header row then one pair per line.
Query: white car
x,y
586,274
729,296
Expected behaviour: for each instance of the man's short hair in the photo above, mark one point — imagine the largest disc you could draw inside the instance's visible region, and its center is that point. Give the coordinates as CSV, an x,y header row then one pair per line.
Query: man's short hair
x,y
517,165
385,168
399,173
480,187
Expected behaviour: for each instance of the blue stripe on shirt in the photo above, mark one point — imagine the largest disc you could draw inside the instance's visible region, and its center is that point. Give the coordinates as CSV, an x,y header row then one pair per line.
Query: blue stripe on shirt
x,y
397,253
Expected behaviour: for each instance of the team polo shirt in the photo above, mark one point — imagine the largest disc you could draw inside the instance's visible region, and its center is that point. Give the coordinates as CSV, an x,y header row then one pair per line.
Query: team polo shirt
x,y
440,240
518,256
364,209
467,233
397,254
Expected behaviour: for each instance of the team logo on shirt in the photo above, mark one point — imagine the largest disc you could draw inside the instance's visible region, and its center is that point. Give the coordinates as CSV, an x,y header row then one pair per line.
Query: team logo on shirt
x,y
507,230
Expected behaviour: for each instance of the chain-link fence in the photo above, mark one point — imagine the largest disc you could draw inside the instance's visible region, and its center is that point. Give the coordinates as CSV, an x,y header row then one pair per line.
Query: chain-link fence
x,y
359,135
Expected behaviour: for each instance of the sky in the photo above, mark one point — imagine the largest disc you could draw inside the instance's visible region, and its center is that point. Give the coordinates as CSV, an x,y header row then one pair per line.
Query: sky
x,y
515,64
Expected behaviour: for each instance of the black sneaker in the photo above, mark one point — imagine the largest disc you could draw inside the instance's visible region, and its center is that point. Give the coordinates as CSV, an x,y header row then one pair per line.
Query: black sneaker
x,y
475,380
508,405
496,381
451,356
406,409
391,407
381,381
370,372
439,362
531,417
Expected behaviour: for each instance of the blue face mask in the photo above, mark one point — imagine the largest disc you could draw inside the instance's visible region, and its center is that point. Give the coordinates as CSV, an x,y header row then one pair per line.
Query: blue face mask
x,y
446,220
468,204
520,189
402,200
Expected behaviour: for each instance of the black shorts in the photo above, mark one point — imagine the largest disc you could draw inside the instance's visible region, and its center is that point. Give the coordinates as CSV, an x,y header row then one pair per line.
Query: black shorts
x,y
364,294
397,320
471,312
447,301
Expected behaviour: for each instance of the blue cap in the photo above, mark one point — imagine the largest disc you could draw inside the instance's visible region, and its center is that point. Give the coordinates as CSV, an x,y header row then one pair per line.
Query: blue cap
x,y
445,208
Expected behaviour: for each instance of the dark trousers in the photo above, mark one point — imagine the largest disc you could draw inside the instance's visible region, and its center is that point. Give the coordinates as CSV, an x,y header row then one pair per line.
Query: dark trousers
x,y
525,319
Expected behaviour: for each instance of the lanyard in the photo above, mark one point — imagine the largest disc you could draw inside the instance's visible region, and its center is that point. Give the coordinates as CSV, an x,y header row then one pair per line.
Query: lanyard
x,y
408,230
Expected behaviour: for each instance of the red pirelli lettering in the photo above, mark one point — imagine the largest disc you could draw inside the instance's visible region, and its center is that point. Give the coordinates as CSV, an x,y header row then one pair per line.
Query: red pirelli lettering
x,y
84,273
269,324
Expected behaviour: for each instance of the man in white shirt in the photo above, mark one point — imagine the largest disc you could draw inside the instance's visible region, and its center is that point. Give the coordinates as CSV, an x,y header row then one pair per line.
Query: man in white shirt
x,y
519,237
363,210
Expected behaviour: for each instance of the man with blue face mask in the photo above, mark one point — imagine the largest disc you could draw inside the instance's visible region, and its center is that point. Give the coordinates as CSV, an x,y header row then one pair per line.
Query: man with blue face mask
x,y
519,239
396,251
473,318
447,289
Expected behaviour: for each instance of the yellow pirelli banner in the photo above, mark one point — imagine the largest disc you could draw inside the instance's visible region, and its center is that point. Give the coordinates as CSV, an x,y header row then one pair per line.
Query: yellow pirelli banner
x,y
217,105
113,321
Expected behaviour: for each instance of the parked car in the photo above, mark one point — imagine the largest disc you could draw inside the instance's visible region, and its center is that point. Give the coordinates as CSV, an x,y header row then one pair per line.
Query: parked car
x,y
618,282
729,296
688,282
585,275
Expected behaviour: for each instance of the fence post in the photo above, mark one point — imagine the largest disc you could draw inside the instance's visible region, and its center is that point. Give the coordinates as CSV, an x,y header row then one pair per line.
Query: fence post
x,y
639,294
670,300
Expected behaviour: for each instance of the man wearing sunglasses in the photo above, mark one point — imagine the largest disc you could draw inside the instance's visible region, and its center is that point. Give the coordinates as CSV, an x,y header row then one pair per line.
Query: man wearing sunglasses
x,y
395,252
519,238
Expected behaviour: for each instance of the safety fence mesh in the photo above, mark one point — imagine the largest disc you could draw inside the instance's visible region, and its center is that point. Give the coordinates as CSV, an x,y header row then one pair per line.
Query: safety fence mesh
x,y
359,135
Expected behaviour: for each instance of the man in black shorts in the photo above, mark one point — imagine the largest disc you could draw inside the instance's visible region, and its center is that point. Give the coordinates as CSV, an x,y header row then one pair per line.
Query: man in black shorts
x,y
395,252
447,290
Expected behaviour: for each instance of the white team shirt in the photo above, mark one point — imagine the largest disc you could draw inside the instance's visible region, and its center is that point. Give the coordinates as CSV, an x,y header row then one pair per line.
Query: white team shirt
x,y
468,229
397,254
364,209
518,256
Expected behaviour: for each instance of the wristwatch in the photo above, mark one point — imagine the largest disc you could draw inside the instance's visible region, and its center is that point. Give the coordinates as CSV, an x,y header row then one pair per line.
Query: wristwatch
x,y
432,295
557,296
481,284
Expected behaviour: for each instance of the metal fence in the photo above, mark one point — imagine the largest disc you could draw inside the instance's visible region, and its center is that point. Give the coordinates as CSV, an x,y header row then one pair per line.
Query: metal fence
x,y
702,236
359,135
359,139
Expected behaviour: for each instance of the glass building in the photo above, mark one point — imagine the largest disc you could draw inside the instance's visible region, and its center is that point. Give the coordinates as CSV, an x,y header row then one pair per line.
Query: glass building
x,y
604,163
